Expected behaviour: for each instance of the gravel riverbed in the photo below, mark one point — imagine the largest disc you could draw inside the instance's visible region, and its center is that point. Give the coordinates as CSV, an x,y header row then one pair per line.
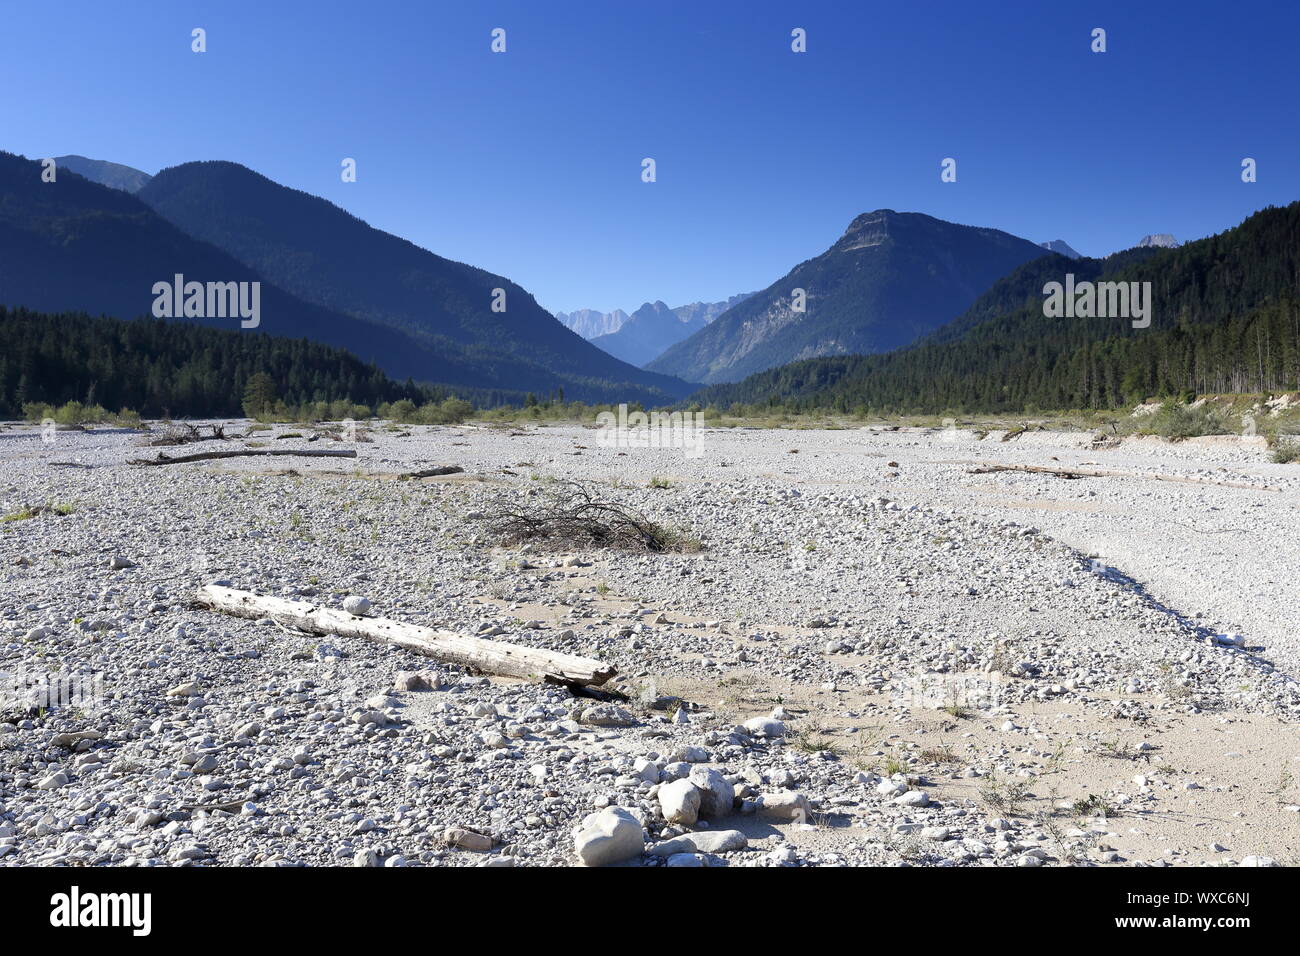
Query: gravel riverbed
x,y
875,657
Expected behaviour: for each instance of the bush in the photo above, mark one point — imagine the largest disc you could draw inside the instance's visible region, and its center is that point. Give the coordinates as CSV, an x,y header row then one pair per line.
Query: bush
x,y
1176,422
73,413
450,411
1286,452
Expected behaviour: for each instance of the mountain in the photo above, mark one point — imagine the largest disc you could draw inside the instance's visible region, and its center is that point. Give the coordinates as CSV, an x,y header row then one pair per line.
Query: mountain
x,y
654,327
705,312
637,341
889,279
1225,318
101,171
589,323
1160,240
326,256
1061,247
75,245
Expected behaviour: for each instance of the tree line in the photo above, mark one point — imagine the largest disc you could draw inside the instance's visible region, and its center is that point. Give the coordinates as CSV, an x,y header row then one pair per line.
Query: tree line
x,y
161,368
1227,320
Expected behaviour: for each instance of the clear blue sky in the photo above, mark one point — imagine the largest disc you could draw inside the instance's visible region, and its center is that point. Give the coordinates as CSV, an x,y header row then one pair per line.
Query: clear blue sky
x,y
528,163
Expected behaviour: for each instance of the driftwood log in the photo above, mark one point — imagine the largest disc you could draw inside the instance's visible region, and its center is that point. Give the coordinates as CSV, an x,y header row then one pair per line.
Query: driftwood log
x,y
434,472
1107,473
490,657
247,453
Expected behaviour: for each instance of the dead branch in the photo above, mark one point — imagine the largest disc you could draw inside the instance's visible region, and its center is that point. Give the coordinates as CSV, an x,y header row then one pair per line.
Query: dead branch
x,y
246,453
572,516
184,433
434,472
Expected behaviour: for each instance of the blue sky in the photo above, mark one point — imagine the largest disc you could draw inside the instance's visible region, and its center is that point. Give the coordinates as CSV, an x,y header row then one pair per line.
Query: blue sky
x,y
528,163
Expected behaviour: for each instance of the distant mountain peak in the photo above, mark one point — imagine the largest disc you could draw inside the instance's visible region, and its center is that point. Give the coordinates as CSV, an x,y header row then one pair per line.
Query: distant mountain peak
x,y
1160,240
1061,247
655,327
874,218
590,323
101,171
888,279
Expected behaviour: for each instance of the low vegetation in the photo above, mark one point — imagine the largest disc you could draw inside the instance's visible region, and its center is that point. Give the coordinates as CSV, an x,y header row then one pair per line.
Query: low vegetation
x,y
32,511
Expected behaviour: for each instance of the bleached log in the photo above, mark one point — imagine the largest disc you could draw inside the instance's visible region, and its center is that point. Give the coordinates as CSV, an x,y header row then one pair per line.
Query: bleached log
x,y
490,657
1107,473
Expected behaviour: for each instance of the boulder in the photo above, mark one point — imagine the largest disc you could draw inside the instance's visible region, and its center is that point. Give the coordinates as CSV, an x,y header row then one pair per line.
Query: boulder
x,y
680,802
716,794
608,836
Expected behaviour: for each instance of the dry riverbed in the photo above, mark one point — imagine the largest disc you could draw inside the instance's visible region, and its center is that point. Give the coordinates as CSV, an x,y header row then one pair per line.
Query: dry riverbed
x,y
875,656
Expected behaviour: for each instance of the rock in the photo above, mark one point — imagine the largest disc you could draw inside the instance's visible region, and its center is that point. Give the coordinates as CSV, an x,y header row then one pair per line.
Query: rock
x,y
607,715
71,739
188,689
356,605
467,839
206,763
765,727
680,802
646,770
608,836
784,856
53,781
119,563
913,798
688,859
716,794
412,680
785,805
364,717
690,755
705,841
365,858
1257,861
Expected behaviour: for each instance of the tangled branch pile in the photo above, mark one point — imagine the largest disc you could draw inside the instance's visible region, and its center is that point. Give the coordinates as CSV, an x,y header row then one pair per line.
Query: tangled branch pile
x,y
570,515
183,433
